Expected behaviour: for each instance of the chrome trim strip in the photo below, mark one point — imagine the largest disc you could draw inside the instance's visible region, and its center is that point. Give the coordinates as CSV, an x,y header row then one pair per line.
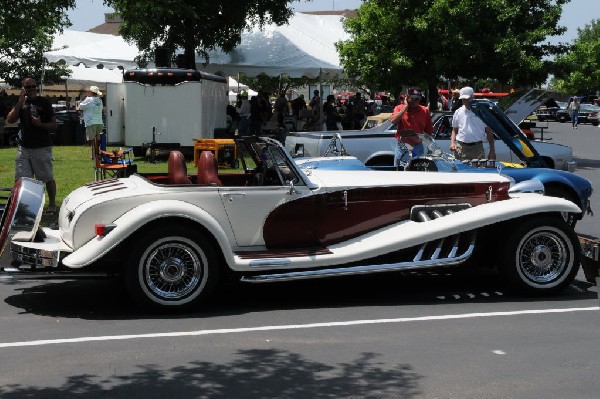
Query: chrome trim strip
x,y
269,262
352,270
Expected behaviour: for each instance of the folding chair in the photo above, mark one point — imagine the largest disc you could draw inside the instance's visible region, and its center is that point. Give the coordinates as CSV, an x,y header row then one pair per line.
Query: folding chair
x,y
110,164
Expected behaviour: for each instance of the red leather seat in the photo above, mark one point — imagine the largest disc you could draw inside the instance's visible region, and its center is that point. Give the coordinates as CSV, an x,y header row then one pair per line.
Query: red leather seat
x,y
177,169
208,169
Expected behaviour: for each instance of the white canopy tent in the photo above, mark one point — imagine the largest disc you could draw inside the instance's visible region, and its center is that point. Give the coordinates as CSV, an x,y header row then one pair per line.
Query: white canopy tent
x,y
303,47
236,86
92,49
82,75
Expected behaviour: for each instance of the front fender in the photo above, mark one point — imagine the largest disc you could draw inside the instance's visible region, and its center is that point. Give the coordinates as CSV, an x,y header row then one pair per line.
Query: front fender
x,y
136,218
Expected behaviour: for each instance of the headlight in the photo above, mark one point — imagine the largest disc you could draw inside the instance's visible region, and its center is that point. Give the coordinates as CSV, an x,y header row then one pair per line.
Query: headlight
x,y
527,187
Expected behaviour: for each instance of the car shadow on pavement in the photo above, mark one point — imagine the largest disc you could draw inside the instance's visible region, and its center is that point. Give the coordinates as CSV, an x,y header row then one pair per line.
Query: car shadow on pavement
x,y
106,299
254,373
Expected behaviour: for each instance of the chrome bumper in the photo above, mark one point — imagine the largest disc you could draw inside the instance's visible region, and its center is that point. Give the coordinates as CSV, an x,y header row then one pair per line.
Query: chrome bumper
x,y
46,254
33,256
570,166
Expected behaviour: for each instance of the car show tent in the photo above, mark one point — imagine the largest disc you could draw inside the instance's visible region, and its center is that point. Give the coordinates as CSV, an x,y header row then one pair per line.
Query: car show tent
x,y
303,47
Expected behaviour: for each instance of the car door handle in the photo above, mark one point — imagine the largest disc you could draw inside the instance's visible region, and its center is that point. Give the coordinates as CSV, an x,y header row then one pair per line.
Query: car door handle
x,y
230,196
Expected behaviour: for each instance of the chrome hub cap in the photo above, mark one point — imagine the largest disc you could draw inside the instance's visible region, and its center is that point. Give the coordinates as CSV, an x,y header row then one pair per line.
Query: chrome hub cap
x,y
543,257
172,271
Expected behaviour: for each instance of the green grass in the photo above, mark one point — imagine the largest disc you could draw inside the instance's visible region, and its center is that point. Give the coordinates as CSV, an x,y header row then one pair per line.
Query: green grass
x,y
73,168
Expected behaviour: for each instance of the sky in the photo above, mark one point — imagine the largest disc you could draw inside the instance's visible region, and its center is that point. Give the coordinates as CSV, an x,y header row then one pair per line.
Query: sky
x,y
577,13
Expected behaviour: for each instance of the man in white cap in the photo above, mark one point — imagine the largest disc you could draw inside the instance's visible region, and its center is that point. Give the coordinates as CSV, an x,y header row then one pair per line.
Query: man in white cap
x,y
92,106
469,131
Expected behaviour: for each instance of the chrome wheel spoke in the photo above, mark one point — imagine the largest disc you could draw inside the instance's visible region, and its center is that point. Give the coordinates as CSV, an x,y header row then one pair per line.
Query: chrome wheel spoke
x,y
173,270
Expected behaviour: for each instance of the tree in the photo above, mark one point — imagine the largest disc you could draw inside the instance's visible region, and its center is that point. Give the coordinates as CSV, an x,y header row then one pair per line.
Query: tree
x,y
578,71
26,31
194,26
397,42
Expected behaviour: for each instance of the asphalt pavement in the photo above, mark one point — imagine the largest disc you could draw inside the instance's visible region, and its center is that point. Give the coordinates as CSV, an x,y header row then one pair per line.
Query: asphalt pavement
x,y
585,141
427,335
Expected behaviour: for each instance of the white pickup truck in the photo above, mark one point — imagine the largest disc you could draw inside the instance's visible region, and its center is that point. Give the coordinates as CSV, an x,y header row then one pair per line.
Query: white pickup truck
x,y
375,146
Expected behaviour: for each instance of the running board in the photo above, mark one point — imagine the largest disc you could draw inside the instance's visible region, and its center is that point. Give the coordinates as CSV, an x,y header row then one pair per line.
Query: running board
x,y
451,258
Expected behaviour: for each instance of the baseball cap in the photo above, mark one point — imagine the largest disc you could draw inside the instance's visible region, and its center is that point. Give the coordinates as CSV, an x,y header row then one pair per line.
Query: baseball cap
x,y
415,92
96,90
466,93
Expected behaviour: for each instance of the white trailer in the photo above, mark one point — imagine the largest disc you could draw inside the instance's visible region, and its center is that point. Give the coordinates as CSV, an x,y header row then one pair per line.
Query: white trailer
x,y
180,105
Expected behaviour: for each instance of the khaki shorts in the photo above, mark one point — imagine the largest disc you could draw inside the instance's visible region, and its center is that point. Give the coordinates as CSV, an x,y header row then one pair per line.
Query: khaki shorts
x,y
34,162
469,152
93,132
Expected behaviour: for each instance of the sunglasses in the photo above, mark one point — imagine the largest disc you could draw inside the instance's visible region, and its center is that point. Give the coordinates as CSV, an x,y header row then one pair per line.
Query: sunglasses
x,y
30,86
415,97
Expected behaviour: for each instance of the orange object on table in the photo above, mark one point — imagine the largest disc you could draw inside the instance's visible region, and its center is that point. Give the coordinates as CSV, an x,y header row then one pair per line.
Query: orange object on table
x,y
225,150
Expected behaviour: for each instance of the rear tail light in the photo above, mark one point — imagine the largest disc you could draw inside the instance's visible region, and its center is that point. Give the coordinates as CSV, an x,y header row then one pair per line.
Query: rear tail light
x,y
104,229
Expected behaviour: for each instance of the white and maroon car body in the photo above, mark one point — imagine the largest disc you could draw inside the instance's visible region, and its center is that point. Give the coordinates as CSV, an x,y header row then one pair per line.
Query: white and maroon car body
x,y
173,235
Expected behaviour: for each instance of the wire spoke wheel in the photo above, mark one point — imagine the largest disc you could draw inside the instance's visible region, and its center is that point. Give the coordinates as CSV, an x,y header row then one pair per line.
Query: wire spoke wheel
x,y
171,268
173,271
541,255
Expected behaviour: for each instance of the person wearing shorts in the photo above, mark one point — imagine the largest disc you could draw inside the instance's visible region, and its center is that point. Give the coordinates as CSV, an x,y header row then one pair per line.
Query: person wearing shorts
x,y
37,119
469,132
92,106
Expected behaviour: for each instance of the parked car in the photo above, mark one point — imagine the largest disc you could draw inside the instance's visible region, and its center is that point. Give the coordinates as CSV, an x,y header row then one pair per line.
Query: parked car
x,y
556,183
547,111
375,147
588,113
173,235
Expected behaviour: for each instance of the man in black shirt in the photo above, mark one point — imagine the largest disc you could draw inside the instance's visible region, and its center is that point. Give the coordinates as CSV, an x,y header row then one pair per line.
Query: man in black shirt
x,y
37,120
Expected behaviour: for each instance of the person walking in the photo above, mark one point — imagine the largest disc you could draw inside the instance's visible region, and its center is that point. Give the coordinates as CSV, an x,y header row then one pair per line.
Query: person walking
x,y
34,157
91,106
411,116
574,107
469,131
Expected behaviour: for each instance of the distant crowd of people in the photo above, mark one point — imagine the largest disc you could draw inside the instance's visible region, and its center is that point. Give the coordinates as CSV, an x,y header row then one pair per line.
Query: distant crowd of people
x,y
252,116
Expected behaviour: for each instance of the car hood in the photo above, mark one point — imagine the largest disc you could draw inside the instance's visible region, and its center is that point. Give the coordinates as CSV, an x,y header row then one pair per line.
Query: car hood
x,y
518,107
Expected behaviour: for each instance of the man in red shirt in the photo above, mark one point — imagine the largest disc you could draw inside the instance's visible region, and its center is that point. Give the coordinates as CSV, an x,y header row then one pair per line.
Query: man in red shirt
x,y
411,116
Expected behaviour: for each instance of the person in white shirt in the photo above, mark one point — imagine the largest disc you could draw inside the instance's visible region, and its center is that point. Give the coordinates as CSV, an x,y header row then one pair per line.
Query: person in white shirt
x,y
92,106
469,131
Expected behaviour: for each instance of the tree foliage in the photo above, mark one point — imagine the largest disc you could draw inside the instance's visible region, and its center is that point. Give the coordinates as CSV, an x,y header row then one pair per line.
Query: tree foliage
x,y
27,28
194,26
578,71
420,42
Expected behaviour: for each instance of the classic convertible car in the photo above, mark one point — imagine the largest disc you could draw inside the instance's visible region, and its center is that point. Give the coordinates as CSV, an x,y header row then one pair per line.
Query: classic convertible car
x,y
173,235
